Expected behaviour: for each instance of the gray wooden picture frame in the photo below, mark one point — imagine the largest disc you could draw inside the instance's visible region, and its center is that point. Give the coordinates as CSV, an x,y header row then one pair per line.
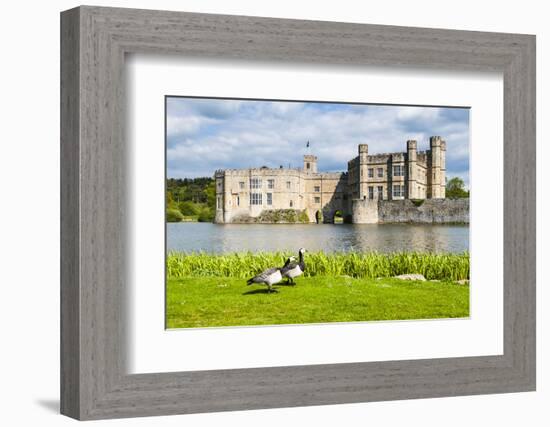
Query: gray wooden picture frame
x,y
94,381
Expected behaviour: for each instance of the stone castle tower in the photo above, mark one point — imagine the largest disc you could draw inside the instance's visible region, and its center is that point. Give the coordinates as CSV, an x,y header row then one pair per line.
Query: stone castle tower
x,y
310,163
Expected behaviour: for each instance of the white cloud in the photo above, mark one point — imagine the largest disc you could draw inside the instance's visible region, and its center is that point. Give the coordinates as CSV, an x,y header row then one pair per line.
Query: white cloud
x,y
415,113
182,125
205,135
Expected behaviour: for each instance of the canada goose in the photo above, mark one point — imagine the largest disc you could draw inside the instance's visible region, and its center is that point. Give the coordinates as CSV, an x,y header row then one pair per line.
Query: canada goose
x,y
294,269
268,277
287,262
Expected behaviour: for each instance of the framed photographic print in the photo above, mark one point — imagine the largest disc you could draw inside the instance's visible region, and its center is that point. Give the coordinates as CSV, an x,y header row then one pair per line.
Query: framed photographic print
x,y
358,201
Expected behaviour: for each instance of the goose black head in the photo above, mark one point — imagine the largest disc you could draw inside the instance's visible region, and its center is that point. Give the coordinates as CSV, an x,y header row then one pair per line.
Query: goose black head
x,y
302,251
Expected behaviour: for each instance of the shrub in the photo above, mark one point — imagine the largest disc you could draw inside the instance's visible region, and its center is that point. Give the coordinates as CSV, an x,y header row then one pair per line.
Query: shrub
x,y
303,217
282,216
188,208
173,215
417,202
206,215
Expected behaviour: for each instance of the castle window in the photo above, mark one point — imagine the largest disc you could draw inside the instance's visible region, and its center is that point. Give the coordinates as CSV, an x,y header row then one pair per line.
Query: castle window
x,y
291,204
270,183
398,170
317,188
398,191
380,172
238,201
288,185
307,165
218,202
255,183
371,192
269,198
241,185
371,173
255,198
317,200
380,192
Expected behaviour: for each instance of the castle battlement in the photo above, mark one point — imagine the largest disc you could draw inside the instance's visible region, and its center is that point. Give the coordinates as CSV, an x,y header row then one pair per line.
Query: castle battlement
x,y
259,171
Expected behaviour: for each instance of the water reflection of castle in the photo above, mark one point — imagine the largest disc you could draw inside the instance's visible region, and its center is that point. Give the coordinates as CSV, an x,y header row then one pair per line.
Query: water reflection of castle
x,y
245,193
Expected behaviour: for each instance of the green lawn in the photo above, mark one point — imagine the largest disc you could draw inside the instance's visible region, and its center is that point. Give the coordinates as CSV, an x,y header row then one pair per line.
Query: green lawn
x,y
227,301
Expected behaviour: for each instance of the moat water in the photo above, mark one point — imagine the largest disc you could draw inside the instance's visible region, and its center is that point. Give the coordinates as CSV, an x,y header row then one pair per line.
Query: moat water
x,y
224,238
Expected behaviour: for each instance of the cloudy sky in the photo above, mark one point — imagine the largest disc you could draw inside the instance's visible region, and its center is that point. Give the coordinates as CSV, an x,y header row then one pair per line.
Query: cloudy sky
x,y
208,134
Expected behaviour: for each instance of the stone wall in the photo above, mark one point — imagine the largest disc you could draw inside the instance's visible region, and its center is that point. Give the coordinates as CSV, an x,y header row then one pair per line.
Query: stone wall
x,y
365,211
428,211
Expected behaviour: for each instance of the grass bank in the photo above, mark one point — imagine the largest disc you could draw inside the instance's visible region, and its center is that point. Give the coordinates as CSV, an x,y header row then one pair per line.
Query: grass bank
x,y
226,301
356,265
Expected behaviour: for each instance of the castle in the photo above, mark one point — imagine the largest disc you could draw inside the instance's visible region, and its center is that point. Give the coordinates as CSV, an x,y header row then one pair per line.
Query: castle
x,y
245,193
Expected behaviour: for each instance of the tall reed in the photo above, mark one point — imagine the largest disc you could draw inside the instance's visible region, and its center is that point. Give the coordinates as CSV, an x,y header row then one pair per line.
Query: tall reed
x,y
369,265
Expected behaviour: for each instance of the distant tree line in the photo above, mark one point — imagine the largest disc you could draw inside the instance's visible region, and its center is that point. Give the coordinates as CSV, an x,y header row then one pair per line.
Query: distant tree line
x,y
454,189
190,199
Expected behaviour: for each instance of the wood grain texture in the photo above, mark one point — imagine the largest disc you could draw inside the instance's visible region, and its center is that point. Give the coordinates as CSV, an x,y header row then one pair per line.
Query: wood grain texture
x,y
70,291
94,382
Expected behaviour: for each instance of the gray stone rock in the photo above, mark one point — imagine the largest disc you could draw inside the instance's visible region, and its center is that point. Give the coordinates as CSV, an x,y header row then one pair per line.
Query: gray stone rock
x,y
410,277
